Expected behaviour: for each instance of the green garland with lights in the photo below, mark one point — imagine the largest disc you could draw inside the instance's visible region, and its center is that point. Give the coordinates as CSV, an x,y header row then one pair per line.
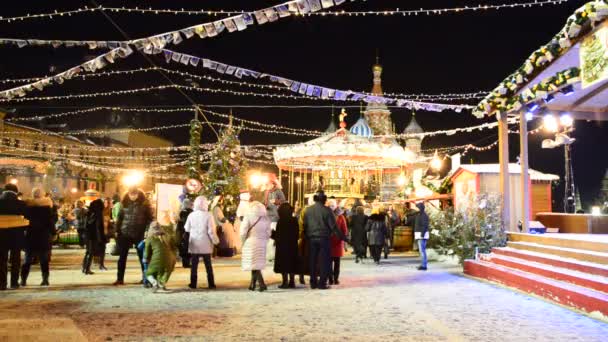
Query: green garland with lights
x,y
194,168
504,98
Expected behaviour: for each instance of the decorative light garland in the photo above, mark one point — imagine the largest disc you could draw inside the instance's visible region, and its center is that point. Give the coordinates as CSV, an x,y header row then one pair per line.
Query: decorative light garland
x,y
421,96
150,10
92,65
304,89
153,88
159,110
234,23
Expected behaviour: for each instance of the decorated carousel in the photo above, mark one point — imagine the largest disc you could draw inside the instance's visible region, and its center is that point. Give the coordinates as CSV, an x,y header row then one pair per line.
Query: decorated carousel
x,y
360,162
344,163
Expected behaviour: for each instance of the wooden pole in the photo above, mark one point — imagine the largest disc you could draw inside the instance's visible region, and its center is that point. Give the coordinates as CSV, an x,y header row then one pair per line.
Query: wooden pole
x,y
503,157
525,175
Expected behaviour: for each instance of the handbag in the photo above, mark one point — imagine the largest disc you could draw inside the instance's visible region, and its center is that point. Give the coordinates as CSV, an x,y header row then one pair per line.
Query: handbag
x,y
249,230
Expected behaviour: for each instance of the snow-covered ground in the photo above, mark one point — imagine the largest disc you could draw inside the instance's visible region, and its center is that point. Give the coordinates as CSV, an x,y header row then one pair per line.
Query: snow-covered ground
x,y
390,302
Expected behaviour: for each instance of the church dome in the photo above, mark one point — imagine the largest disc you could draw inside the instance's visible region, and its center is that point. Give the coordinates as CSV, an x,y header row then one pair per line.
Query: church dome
x,y
413,127
361,128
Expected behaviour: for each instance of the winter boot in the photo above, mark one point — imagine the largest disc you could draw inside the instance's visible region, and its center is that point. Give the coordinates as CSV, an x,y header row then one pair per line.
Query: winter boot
x,y
102,266
87,265
284,283
263,286
253,281
302,282
45,279
292,281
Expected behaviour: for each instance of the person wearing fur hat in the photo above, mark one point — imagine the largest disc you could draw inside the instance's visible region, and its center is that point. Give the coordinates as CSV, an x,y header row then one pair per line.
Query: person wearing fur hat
x,y
319,225
273,197
11,240
134,217
286,241
225,229
376,234
337,244
255,233
202,236
38,235
180,231
94,235
159,255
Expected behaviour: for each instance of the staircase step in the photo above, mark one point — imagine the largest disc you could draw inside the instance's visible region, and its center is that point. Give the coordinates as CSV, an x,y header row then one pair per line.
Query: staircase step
x,y
579,254
588,242
554,260
595,282
563,293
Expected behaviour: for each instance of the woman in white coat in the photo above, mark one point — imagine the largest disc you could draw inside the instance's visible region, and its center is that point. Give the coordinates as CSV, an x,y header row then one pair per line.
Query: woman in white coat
x,y
255,232
201,234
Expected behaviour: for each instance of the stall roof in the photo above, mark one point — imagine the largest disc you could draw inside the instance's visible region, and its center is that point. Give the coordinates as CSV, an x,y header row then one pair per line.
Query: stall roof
x,y
553,67
513,169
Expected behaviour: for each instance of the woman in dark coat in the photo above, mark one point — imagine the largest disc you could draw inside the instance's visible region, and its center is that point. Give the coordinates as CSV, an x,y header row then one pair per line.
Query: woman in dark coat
x,y
38,235
358,235
180,231
376,234
94,235
286,240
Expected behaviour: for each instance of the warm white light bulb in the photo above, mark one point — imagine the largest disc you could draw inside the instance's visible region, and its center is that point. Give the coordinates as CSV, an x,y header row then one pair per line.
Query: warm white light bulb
x,y
550,123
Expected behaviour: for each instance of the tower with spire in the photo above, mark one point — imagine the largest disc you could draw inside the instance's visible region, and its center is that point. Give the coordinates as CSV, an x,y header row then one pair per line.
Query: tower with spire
x,y
413,143
377,114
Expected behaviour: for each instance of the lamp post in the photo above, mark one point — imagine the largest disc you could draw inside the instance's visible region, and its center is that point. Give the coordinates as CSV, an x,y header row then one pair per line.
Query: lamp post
x,y
562,129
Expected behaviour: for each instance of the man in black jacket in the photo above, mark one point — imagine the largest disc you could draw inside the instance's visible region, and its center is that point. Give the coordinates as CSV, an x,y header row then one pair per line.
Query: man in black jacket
x,y
11,240
133,220
319,224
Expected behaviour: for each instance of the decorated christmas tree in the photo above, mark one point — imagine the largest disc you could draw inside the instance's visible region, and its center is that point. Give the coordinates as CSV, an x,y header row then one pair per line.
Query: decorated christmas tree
x,y
226,174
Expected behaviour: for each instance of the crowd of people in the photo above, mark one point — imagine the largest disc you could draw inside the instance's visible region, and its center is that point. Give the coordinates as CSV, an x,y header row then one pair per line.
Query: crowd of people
x,y
307,241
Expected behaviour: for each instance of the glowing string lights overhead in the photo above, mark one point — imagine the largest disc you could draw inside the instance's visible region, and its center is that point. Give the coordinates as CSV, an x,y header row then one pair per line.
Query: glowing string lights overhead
x,y
397,11
420,96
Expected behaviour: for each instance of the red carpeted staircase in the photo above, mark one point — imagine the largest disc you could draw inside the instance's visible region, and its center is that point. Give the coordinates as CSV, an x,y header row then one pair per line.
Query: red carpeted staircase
x,y
569,269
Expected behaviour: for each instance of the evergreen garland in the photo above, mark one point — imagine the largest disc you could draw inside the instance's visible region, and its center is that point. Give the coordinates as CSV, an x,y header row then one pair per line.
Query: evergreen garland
x,y
194,168
504,98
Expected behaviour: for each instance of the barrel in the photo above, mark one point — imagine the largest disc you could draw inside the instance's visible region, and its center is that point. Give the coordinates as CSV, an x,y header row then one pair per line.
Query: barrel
x,y
12,221
404,238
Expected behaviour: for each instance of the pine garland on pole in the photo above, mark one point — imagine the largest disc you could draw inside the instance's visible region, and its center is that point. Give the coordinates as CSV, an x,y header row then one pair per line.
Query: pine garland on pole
x,y
194,168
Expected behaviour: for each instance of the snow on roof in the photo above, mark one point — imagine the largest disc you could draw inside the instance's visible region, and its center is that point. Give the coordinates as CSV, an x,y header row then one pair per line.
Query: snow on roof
x,y
513,169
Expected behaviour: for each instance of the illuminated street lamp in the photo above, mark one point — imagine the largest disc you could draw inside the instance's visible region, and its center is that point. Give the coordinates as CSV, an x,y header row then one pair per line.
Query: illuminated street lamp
x,y
133,178
14,181
566,122
436,162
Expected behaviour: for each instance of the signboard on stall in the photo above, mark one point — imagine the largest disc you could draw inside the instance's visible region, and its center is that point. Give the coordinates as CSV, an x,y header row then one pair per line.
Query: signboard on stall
x,y
594,57
167,200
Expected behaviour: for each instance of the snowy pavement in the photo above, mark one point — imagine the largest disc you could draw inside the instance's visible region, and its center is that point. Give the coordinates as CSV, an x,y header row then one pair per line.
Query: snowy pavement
x,y
390,302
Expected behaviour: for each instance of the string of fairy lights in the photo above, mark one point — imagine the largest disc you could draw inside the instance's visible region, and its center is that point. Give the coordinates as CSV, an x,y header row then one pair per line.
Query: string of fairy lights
x,y
274,127
156,88
419,96
221,12
487,125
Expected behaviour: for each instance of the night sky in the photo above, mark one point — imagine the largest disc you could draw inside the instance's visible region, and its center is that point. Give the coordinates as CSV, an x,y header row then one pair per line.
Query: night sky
x,y
450,53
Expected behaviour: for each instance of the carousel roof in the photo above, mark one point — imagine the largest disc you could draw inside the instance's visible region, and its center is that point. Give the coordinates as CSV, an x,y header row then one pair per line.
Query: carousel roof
x,y
343,149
